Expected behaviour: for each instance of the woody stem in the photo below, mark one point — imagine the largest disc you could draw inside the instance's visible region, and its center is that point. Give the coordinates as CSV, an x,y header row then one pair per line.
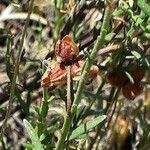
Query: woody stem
x,y
89,61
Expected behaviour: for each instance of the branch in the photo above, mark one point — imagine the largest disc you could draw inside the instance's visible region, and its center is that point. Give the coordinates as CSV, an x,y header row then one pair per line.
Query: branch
x,y
15,16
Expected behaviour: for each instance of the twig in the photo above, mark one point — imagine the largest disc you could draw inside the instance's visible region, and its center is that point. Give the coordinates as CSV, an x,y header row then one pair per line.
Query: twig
x,y
16,69
15,16
109,120
88,64
108,49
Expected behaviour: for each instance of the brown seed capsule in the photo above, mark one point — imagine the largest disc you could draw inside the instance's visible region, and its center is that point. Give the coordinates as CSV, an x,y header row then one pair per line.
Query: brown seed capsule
x,y
131,91
137,74
116,78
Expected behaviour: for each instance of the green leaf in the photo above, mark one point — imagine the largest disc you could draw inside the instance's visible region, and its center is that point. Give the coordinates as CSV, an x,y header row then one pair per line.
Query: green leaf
x,y
28,146
33,135
130,77
147,62
85,127
93,96
109,37
138,20
147,35
136,54
144,6
148,28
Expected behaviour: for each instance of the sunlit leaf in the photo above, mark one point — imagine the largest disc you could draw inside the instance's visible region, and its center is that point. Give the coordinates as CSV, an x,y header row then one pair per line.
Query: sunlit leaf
x,y
87,126
136,54
33,135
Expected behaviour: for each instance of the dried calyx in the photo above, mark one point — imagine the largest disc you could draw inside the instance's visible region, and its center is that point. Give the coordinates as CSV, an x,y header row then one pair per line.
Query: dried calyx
x,y
66,50
67,54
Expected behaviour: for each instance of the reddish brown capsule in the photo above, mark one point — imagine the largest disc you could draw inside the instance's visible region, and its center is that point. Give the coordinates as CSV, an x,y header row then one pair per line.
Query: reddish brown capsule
x,y
137,74
131,91
66,49
116,78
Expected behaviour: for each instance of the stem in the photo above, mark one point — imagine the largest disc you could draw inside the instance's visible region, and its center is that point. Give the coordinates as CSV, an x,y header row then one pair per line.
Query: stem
x,y
144,6
16,70
90,60
43,112
69,89
65,130
88,64
58,19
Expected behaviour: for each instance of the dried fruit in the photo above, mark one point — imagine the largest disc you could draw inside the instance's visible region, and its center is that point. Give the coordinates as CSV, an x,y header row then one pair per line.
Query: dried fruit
x,y
68,53
57,74
66,50
116,78
137,74
131,90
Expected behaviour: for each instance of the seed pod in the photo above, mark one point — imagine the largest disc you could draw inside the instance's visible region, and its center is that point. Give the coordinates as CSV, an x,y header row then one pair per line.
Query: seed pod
x,y
131,90
116,78
137,74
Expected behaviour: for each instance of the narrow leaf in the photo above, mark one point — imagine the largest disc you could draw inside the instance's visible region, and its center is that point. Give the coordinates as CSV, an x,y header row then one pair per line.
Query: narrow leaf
x,y
136,54
85,127
144,6
33,135
130,77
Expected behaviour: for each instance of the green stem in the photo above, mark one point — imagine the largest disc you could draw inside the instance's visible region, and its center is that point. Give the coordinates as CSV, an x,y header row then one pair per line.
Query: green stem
x,y
43,112
66,127
58,19
88,64
144,6
16,70
90,60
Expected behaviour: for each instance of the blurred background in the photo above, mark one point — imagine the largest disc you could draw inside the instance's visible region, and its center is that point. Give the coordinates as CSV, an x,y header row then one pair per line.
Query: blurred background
x,y
126,51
